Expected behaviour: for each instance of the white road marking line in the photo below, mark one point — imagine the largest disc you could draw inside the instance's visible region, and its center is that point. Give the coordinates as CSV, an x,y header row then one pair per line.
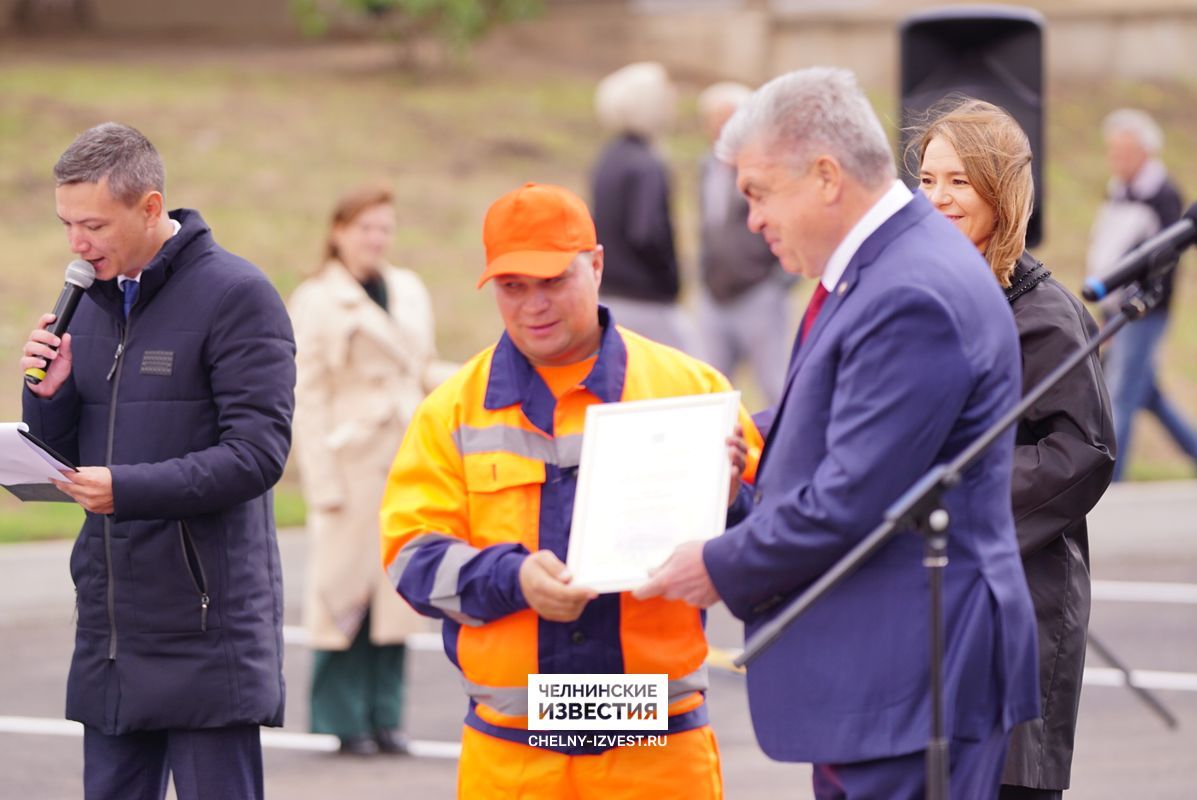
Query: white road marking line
x,y
721,658
1118,591
296,635
278,740
1145,592
39,725
1115,591
1143,678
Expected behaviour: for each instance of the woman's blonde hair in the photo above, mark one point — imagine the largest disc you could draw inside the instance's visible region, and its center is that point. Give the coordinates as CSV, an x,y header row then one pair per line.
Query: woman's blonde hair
x,y
996,157
347,209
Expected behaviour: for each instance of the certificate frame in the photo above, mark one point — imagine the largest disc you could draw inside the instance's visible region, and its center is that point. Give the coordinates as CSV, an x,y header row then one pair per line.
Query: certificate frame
x,y
652,474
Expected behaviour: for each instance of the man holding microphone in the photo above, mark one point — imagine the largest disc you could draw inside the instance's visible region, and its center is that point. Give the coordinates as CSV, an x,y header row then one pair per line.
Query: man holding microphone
x,y
174,388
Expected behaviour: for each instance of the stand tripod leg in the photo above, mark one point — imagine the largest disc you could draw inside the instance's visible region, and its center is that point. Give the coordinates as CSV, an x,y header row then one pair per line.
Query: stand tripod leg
x,y
1145,695
935,559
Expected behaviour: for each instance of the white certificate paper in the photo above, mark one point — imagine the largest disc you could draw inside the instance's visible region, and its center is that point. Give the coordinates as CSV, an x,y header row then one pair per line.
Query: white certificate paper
x,y
27,466
653,474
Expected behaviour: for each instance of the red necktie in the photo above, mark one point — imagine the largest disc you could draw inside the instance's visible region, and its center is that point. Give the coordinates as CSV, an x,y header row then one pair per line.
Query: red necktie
x,y
812,310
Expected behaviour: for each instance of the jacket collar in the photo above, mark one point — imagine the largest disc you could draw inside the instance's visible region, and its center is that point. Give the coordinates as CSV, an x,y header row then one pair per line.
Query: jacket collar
x,y
916,209
514,380
178,252
890,202
354,305
1028,273
1146,183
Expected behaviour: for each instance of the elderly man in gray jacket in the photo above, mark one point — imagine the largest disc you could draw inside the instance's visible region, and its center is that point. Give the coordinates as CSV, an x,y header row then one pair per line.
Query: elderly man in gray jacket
x,y
743,310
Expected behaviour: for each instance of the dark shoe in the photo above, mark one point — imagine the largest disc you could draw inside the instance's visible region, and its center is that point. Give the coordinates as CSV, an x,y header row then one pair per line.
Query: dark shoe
x,y
358,746
393,743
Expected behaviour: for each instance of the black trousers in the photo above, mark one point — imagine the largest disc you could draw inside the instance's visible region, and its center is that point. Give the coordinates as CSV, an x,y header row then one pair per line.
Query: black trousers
x,y
206,764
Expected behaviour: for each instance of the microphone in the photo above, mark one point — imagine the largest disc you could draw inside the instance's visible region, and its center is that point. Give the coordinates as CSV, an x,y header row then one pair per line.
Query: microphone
x,y
80,275
1160,250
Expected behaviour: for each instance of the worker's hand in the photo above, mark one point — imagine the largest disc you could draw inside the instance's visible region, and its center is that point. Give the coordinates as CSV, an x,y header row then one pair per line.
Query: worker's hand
x,y
545,583
737,453
90,487
39,351
683,577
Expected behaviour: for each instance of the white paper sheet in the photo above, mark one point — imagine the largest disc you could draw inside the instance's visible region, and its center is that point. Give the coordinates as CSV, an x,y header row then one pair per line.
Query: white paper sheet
x,y
22,461
653,474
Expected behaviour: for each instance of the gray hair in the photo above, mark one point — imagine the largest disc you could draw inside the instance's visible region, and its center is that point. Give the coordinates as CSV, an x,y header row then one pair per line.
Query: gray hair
x,y
638,98
810,112
116,152
1137,123
725,94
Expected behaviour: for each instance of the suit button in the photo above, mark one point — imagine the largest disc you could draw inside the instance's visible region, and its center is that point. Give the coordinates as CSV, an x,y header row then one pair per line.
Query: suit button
x,y
756,497
577,637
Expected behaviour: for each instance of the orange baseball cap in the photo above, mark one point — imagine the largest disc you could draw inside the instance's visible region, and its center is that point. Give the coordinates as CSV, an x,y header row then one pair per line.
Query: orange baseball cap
x,y
536,230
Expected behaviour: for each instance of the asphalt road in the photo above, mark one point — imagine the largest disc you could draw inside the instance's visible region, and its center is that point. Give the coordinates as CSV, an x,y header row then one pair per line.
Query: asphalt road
x,y
1145,564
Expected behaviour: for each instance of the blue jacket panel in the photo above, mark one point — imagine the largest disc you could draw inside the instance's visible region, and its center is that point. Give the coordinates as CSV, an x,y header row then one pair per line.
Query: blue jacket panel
x,y
912,357
189,403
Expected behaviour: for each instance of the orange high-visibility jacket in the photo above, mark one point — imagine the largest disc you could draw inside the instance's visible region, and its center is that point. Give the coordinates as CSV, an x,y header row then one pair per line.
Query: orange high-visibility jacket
x,y
485,475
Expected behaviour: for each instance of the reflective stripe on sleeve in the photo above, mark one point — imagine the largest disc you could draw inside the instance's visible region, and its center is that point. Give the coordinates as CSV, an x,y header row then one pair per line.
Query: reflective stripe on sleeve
x,y
444,593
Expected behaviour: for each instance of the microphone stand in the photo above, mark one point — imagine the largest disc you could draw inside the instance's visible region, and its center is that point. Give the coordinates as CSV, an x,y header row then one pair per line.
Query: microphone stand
x,y
921,509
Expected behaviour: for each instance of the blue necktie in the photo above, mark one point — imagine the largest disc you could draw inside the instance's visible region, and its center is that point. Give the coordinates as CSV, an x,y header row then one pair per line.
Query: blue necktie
x,y
131,288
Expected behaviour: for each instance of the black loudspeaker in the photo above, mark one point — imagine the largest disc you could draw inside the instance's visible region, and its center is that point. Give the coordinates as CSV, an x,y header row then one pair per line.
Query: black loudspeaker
x,y
992,53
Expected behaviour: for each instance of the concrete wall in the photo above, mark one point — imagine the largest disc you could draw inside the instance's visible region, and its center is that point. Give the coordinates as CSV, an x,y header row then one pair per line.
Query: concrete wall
x,y
749,40
752,41
229,18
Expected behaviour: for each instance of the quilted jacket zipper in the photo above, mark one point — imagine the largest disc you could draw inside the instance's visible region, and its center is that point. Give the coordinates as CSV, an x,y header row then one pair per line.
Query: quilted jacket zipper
x,y
117,358
195,568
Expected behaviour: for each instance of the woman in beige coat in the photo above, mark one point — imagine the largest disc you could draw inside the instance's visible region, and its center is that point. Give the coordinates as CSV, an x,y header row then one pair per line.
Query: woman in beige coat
x,y
366,357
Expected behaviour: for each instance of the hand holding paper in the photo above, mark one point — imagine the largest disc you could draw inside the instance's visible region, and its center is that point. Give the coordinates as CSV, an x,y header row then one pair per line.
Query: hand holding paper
x,y
682,577
544,580
90,487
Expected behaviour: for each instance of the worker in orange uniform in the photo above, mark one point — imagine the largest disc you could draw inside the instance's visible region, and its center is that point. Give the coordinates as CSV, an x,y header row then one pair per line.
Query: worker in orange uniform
x,y
477,510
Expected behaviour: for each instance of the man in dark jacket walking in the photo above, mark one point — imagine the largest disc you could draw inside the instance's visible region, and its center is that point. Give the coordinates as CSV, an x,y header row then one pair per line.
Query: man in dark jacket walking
x,y
174,388
631,190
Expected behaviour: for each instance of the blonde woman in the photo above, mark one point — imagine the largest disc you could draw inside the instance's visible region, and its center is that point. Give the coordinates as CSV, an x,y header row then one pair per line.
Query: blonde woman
x,y
366,358
975,168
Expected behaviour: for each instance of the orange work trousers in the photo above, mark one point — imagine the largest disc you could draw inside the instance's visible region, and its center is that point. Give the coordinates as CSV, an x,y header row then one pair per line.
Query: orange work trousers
x,y
686,768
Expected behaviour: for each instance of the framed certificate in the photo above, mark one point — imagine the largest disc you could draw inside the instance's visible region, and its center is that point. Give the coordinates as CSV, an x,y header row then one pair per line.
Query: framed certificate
x,y
653,474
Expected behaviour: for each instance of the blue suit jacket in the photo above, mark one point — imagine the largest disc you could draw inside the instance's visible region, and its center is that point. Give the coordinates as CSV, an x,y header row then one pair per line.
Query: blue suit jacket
x,y
913,355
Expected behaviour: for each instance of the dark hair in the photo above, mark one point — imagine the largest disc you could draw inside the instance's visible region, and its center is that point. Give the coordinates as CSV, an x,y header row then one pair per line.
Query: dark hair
x,y
116,152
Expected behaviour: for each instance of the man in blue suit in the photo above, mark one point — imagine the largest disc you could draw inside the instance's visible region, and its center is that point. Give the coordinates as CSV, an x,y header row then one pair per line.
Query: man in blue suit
x,y
907,353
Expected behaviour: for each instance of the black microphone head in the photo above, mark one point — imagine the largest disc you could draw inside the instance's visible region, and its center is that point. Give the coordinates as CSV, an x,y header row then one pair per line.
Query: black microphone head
x,y
80,273
1190,214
